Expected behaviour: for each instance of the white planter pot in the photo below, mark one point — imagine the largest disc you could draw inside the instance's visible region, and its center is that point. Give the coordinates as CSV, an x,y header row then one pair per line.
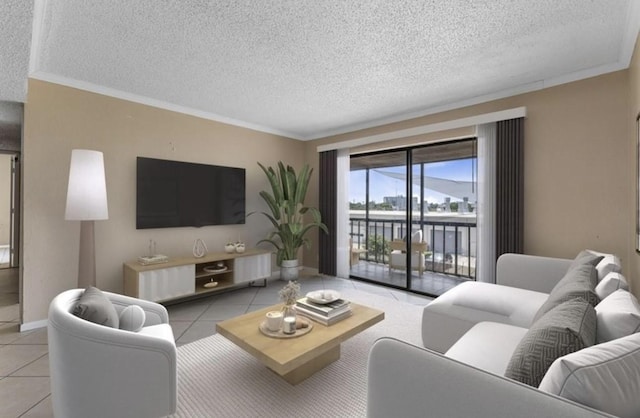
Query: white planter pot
x,y
289,270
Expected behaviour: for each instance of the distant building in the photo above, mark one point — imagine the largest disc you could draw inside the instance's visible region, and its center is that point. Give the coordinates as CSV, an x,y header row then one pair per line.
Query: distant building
x,y
399,202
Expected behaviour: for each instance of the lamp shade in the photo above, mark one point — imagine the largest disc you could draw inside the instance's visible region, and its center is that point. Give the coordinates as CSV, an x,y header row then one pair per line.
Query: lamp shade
x,y
87,190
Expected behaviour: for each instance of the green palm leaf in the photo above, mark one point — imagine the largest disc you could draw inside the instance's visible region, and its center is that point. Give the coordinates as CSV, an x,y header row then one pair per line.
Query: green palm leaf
x,y
286,203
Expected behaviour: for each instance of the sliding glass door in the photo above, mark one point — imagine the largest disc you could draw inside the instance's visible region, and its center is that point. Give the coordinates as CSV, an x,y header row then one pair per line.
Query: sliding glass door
x,y
412,221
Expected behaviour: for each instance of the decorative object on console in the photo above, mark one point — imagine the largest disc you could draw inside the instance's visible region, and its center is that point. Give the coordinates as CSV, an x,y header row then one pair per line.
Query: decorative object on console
x,y
86,202
153,259
239,247
199,248
230,247
286,202
219,267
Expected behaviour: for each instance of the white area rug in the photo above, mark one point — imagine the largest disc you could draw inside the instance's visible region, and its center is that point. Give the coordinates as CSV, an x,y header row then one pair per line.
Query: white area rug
x,y
219,379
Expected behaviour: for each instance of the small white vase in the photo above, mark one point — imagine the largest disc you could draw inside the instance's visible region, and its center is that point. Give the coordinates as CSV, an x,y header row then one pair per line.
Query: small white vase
x,y
230,248
199,248
289,270
240,247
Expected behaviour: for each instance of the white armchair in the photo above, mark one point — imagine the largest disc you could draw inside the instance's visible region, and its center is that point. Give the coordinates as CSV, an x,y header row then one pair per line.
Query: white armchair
x,y
98,371
398,255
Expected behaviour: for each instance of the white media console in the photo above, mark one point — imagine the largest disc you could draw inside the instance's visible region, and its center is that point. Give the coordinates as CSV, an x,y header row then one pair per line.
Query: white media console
x,y
188,276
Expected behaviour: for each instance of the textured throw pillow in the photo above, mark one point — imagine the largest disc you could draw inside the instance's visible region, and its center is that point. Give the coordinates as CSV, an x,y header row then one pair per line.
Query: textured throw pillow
x,y
566,328
605,377
584,273
94,306
610,283
132,318
586,257
618,316
578,282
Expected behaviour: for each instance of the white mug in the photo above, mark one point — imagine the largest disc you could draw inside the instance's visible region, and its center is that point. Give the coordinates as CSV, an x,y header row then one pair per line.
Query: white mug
x,y
274,320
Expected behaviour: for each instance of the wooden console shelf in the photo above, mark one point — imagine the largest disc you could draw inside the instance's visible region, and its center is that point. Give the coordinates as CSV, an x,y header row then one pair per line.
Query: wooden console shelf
x,y
186,276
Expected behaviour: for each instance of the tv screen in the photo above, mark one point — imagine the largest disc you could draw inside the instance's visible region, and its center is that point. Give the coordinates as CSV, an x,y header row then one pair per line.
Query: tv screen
x,y
173,193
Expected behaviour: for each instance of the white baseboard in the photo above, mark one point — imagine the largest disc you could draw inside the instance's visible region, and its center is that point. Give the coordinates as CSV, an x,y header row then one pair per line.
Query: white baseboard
x,y
33,325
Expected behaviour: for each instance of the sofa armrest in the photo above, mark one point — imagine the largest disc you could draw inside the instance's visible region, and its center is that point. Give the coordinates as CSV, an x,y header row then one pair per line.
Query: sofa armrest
x,y
409,381
530,272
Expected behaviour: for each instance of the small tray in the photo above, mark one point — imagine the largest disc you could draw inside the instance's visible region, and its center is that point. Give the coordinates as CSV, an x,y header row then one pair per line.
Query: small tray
x,y
279,334
209,285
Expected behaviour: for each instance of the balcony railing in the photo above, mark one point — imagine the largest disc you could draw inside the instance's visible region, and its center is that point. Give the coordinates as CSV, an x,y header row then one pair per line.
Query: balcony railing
x,y
451,245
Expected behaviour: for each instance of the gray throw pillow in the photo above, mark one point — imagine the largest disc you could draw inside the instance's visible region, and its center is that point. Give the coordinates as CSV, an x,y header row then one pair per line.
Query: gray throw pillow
x,y
577,283
569,327
582,273
586,257
94,306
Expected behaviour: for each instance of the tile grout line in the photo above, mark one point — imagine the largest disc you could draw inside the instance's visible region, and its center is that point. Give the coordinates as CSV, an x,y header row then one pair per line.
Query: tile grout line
x,y
34,405
31,362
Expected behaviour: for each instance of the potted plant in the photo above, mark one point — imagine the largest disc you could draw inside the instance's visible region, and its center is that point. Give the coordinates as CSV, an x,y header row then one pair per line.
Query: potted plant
x,y
286,203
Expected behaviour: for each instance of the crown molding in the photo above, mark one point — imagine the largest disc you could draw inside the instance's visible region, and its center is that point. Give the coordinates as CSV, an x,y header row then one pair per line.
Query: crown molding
x,y
136,98
517,112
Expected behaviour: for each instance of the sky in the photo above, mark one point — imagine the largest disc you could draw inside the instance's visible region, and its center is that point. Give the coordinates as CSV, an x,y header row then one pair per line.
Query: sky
x,y
382,185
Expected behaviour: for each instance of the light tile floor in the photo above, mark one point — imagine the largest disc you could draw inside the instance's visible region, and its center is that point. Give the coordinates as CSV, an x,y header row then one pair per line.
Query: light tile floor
x,y
24,363
429,282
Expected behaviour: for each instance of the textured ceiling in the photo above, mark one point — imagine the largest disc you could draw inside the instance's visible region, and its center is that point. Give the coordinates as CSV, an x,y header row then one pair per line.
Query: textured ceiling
x,y
16,17
309,68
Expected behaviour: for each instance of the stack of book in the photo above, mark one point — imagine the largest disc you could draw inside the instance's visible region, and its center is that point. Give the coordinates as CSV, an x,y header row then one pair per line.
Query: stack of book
x,y
326,314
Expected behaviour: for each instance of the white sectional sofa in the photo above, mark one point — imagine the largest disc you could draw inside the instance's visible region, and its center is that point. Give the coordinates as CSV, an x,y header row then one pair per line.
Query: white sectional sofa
x,y
472,332
524,283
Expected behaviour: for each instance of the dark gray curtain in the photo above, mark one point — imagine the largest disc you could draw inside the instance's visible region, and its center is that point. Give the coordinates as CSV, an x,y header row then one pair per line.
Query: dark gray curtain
x,y
327,246
509,186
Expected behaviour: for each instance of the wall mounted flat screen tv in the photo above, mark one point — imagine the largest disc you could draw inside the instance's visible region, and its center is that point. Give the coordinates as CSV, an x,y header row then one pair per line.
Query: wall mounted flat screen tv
x,y
173,194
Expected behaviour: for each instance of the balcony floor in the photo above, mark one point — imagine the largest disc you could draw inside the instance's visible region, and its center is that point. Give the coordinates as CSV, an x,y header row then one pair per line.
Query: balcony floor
x,y
429,282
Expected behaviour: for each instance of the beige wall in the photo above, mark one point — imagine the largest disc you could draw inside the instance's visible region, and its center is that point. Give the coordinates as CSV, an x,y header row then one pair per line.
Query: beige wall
x,y
577,182
634,110
58,119
5,198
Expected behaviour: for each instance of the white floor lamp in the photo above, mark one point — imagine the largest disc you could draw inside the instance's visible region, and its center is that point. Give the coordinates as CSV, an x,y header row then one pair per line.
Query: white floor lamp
x,y
86,202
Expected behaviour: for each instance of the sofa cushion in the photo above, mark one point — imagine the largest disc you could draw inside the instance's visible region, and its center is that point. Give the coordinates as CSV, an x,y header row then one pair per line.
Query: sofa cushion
x,y
452,314
618,316
566,328
487,346
610,283
94,306
609,263
132,318
605,376
579,282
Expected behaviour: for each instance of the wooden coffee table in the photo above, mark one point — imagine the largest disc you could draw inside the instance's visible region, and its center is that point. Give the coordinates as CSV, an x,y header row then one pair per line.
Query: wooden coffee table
x,y
296,359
